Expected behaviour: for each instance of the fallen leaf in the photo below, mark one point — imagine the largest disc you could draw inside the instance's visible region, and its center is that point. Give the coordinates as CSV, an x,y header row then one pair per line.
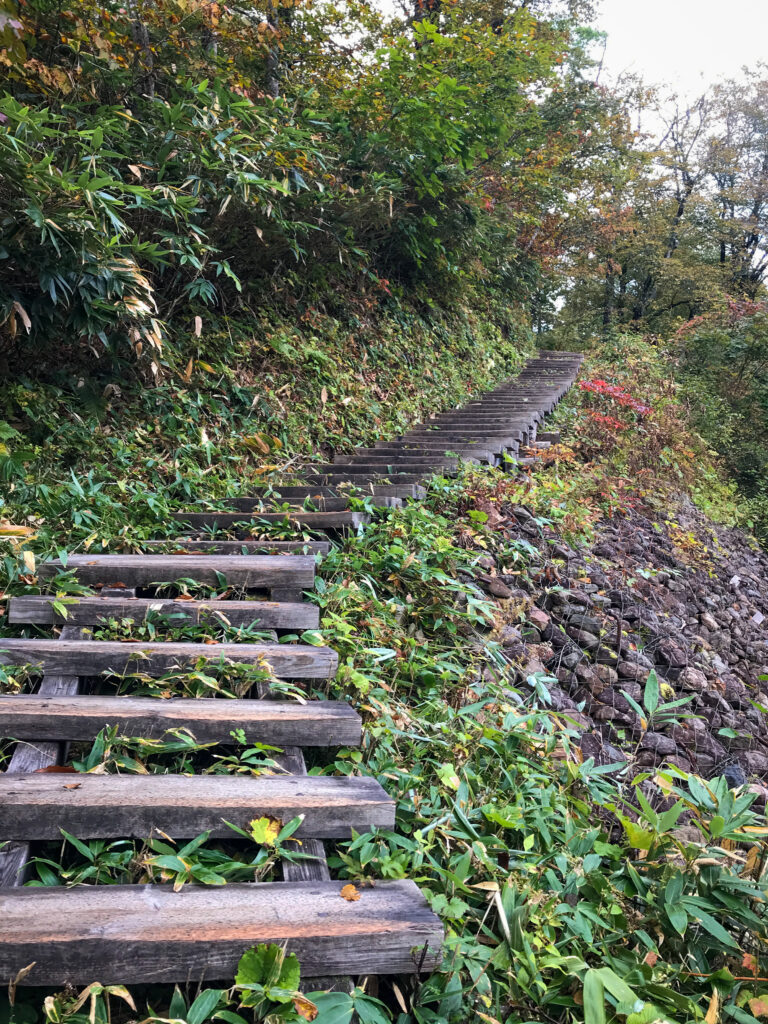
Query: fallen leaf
x,y
58,769
651,958
187,375
265,830
73,785
349,893
324,396
29,560
198,326
135,171
304,1007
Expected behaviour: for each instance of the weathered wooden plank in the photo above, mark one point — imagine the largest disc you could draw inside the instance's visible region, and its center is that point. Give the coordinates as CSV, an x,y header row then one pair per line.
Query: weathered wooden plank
x,y
257,506
204,546
69,657
254,571
131,934
37,806
308,491
90,610
277,723
310,520
31,756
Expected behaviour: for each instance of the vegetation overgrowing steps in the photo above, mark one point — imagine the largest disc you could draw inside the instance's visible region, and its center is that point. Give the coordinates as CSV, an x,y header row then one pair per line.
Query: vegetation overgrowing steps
x,y
389,928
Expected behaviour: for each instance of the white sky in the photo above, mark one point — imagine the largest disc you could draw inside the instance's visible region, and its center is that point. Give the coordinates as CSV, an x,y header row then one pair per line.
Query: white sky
x,y
686,43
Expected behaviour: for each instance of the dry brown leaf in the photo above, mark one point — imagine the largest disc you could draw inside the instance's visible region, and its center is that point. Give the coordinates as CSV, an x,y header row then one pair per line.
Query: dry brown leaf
x,y
135,170
712,1013
304,1007
24,316
350,893
324,396
73,785
187,375
56,769
198,326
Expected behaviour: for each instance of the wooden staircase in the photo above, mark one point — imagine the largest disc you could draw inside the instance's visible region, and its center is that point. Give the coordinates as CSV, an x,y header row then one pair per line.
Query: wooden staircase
x,y
149,933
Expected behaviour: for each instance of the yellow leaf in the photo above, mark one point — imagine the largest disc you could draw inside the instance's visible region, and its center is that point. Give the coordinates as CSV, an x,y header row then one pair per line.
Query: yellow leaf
x,y
29,560
349,893
9,530
265,830
712,1013
487,886
205,366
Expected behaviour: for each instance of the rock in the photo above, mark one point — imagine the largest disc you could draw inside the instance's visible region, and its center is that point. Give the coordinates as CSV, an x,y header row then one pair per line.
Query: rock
x,y
706,620
497,589
509,635
693,679
606,656
588,641
627,670
538,618
755,762
658,743
607,674
586,622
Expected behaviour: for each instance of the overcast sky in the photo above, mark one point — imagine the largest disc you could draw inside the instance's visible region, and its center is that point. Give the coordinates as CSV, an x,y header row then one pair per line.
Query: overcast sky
x,y
687,43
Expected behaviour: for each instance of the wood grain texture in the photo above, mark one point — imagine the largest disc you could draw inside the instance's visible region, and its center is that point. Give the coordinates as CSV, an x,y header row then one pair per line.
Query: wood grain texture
x,y
32,755
278,723
90,610
311,520
256,571
37,806
204,546
70,657
256,506
308,491
131,934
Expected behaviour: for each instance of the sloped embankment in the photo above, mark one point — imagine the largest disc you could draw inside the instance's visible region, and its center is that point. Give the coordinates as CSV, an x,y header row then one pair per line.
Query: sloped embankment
x,y
686,598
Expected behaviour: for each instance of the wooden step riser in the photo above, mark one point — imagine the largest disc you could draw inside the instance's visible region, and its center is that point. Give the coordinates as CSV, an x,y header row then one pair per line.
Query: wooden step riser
x,y
306,491
38,806
204,546
81,658
257,508
209,720
86,611
308,520
144,934
258,572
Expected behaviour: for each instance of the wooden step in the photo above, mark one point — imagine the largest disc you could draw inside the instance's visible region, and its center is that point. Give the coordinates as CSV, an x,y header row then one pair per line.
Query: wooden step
x,y
339,478
86,611
210,720
204,546
302,520
257,507
38,806
310,491
84,658
263,572
142,934
423,468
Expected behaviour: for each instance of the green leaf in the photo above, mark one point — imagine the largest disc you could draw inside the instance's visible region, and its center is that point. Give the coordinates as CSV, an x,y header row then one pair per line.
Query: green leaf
x,y
333,1007
204,1005
677,917
594,998
651,693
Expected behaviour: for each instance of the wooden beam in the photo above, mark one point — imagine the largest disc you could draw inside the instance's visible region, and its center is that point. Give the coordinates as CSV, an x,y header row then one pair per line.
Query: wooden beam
x,y
205,546
308,520
90,610
70,657
277,723
143,934
252,571
38,806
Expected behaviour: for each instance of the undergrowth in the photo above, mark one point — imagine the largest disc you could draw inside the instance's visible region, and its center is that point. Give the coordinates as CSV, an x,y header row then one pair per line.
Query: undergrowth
x,y
567,894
